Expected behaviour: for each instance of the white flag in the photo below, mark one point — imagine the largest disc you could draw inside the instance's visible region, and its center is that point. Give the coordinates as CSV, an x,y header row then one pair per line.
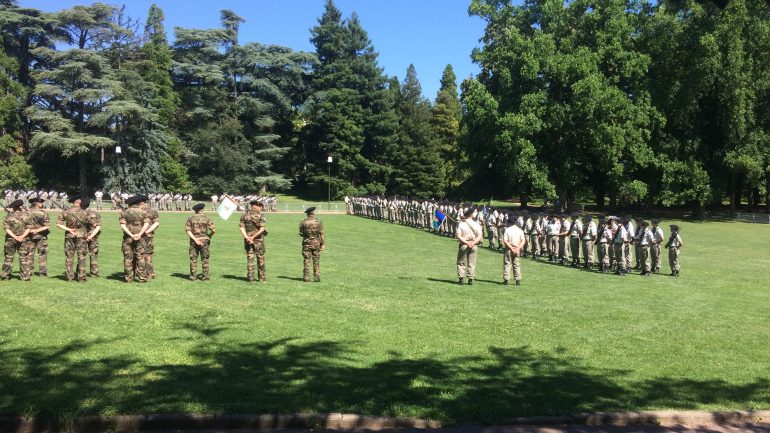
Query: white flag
x,y
226,208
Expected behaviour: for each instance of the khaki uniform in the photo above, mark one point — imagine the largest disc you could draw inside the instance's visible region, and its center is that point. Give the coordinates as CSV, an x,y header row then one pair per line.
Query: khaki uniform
x,y
514,236
251,222
17,222
466,257
658,237
311,230
134,252
202,228
604,237
94,220
675,244
589,237
39,218
618,247
75,244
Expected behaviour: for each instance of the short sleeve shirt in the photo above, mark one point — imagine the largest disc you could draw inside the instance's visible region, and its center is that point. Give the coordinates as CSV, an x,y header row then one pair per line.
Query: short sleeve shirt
x,y
513,235
200,226
17,222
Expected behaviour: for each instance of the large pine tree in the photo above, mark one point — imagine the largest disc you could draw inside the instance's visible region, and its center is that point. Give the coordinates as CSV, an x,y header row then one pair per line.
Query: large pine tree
x,y
446,125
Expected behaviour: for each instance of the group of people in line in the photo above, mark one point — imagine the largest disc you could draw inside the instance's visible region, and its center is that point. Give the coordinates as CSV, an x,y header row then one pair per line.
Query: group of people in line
x,y
27,229
609,244
159,201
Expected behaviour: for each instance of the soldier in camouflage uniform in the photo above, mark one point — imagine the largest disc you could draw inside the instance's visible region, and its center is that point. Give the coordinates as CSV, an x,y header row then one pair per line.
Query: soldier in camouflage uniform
x,y
73,222
200,229
312,232
17,227
253,230
93,230
134,222
149,237
41,225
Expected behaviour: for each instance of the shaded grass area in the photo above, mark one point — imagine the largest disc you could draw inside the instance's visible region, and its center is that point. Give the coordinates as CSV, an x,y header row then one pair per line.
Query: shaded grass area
x,y
387,332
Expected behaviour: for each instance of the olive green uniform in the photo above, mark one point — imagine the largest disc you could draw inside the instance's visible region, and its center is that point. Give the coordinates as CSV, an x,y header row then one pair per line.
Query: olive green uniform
x,y
75,243
94,220
202,228
251,222
149,241
17,222
311,230
39,218
134,252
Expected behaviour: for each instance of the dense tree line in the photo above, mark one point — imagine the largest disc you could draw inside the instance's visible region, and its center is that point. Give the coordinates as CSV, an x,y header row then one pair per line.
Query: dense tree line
x,y
619,102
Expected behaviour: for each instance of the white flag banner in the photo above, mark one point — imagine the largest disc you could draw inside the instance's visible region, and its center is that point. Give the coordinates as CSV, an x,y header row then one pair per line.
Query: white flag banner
x,y
226,208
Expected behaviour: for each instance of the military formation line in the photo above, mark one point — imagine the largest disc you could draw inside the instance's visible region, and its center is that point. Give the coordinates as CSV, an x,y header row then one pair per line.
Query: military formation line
x,y
160,201
27,230
611,244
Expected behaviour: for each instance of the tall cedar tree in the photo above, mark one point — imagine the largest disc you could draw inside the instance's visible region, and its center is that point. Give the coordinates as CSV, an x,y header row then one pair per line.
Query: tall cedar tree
x,y
14,169
446,125
351,115
419,168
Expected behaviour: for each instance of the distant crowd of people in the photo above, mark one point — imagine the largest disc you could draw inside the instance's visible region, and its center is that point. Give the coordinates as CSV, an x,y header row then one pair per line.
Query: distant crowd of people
x,y
609,244
160,201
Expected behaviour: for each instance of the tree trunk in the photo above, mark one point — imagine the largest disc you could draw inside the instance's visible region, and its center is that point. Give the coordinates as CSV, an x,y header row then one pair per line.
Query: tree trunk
x,y
767,191
82,173
523,200
600,198
733,198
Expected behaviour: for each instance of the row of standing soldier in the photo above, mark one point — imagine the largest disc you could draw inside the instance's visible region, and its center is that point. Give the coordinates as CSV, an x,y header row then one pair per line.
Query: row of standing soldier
x,y
27,236
572,240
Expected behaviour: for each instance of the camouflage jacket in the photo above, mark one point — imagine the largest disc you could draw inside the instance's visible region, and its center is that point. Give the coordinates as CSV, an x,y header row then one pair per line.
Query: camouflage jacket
x,y
39,218
93,220
311,228
200,226
134,218
252,222
17,222
74,219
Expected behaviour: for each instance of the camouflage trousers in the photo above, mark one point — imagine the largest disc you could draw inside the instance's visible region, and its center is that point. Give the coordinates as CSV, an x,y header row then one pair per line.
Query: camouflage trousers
x,y
655,257
311,250
75,247
533,246
134,259
673,258
149,250
202,251
24,250
256,251
93,254
40,249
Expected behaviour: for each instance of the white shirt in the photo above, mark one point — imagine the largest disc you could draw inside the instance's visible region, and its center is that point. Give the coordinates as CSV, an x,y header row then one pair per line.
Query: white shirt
x,y
657,234
468,230
513,235
553,228
590,231
620,235
577,228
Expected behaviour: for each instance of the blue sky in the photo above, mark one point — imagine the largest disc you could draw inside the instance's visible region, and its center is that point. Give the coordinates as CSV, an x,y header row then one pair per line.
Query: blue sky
x,y
428,33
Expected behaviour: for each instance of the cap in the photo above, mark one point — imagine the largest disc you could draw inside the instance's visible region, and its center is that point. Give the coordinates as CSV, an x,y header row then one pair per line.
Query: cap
x,y
310,210
16,203
36,200
656,220
73,198
587,218
674,227
468,212
84,203
255,203
198,207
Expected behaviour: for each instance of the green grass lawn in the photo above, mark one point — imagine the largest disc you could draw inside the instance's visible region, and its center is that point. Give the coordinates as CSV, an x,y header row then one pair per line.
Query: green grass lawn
x,y
388,331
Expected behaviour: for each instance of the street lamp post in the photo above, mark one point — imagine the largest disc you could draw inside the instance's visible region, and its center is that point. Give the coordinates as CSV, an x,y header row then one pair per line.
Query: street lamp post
x,y
329,183
118,151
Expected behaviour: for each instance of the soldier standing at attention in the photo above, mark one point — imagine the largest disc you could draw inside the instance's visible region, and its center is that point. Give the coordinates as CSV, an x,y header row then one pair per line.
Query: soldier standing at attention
x,y
589,237
645,240
17,227
98,195
618,246
575,228
38,235
469,235
253,229
657,239
134,222
563,235
200,229
312,232
93,230
492,227
514,242
604,237
73,222
674,244
553,228
149,237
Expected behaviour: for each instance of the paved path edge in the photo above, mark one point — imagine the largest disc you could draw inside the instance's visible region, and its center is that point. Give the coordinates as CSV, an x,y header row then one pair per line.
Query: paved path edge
x,y
340,421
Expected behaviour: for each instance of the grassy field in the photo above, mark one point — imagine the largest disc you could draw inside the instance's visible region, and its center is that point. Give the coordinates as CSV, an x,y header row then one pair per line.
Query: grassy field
x,y
388,331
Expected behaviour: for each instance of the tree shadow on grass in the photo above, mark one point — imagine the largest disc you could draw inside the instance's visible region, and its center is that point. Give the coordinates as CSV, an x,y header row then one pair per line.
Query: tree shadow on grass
x,y
290,374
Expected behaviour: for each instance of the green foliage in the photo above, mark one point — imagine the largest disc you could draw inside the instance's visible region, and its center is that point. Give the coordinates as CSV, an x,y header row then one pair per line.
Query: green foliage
x,y
351,114
446,123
